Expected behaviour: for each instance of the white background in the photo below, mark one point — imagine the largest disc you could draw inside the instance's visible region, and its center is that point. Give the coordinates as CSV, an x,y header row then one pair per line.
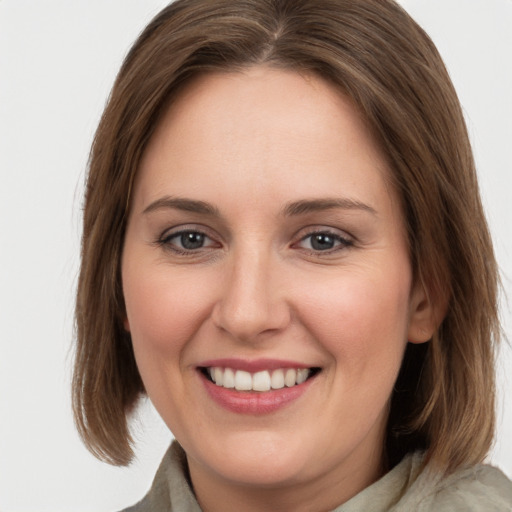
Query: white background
x,y
58,59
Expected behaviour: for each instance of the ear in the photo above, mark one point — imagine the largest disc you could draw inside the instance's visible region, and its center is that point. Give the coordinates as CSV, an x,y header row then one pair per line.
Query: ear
x,y
425,314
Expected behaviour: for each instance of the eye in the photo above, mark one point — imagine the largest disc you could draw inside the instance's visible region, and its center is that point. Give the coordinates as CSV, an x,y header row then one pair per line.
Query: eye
x,y
186,241
324,241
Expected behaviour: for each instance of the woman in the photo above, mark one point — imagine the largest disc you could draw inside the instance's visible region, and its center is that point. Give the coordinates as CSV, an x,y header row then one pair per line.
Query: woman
x,y
283,223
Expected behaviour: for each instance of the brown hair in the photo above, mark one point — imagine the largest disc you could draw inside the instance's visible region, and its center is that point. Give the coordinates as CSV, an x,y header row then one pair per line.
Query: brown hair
x,y
379,57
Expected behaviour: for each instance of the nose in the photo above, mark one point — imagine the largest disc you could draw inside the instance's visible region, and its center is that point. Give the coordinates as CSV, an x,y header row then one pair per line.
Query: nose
x,y
251,301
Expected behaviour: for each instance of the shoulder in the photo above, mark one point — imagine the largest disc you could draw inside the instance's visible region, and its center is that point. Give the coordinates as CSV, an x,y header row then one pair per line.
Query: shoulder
x,y
478,489
483,488
171,490
142,506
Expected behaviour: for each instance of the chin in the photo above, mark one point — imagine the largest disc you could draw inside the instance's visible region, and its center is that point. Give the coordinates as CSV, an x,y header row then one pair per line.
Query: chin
x,y
263,459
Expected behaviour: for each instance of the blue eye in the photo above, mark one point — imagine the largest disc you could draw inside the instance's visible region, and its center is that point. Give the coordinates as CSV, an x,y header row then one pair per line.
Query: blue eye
x,y
186,241
323,241
191,240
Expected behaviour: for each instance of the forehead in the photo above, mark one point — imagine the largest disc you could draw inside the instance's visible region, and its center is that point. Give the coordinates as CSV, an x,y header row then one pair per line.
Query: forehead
x,y
263,126
261,99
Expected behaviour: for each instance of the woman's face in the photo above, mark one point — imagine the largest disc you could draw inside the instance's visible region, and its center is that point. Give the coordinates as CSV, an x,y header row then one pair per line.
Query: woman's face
x,y
264,239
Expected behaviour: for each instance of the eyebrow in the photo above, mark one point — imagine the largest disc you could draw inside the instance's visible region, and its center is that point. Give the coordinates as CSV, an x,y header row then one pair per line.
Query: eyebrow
x,y
317,205
184,204
295,208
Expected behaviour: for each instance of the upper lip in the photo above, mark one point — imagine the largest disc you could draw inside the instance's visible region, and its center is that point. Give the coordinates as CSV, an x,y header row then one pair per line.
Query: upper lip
x,y
254,365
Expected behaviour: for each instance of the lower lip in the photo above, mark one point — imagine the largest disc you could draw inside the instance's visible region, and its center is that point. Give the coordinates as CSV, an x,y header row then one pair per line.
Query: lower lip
x,y
254,402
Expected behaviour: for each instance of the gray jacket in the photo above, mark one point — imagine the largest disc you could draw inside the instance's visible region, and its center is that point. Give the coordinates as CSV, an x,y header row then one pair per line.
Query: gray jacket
x,y
404,489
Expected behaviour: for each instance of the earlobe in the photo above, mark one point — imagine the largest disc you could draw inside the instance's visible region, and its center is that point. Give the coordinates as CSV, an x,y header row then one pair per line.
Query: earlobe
x,y
426,315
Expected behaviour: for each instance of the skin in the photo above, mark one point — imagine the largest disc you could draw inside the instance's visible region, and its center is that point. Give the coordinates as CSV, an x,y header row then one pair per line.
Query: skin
x,y
249,144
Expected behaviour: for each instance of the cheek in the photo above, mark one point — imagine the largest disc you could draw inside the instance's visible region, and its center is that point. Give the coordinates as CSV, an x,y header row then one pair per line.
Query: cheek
x,y
361,319
164,307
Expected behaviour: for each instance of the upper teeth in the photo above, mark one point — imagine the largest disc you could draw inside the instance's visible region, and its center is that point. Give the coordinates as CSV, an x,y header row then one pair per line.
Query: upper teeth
x,y
259,381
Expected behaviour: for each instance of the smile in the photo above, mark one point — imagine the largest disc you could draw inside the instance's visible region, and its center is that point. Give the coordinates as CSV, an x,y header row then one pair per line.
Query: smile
x,y
261,381
256,387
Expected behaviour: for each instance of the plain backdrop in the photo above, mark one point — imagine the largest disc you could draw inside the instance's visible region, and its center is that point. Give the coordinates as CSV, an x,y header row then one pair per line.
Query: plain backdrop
x,y
58,59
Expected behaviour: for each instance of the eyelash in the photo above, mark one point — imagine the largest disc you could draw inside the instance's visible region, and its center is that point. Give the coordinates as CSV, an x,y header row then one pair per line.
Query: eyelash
x,y
165,239
340,241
